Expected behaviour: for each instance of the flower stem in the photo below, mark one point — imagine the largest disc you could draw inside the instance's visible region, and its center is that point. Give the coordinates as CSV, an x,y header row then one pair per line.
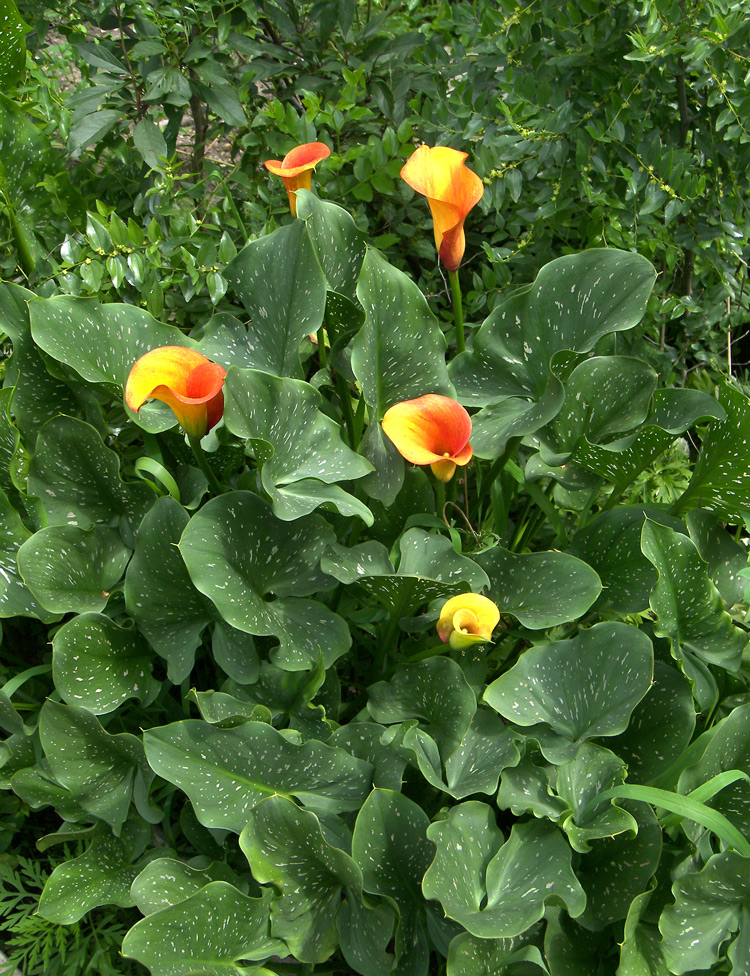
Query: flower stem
x,y
439,497
200,457
322,357
458,310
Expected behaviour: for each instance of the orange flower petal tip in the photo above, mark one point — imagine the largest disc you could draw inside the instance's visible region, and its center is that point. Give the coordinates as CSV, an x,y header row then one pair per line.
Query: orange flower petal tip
x,y
432,429
452,189
191,384
467,619
295,169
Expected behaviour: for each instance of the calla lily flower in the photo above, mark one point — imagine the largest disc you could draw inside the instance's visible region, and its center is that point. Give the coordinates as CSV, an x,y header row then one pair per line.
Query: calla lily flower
x,y
451,190
191,384
296,168
467,619
432,430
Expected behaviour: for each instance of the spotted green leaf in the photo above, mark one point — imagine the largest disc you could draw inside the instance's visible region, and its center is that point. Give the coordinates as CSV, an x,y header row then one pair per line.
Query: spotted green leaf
x,y
99,665
285,846
687,604
610,544
16,599
619,868
102,875
98,769
159,593
308,452
217,930
72,569
339,244
12,46
710,906
540,589
165,882
470,956
256,570
434,691
486,749
721,476
574,301
391,848
569,691
78,478
672,413
227,772
282,286
604,396
497,889
660,728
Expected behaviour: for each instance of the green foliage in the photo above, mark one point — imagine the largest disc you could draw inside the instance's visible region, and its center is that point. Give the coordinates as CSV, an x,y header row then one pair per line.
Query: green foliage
x,y
232,740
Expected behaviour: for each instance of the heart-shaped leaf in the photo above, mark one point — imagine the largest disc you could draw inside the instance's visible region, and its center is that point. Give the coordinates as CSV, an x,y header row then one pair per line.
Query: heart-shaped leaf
x,y
338,243
99,665
100,342
98,769
617,869
672,413
78,478
306,443
579,782
487,748
165,882
217,930
227,772
610,543
604,396
255,568
12,46
660,728
574,301
434,691
570,691
159,593
540,589
399,330
710,906
40,396
498,890
285,847
102,875
71,569
281,284
391,848
16,599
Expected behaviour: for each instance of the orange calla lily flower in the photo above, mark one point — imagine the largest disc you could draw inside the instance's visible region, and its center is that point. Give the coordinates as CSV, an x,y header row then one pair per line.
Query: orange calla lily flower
x,y
432,430
191,384
467,619
296,168
451,190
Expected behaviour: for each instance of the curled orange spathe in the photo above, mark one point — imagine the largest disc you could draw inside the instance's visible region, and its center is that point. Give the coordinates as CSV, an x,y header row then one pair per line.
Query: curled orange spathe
x,y
467,619
451,189
296,168
191,384
432,430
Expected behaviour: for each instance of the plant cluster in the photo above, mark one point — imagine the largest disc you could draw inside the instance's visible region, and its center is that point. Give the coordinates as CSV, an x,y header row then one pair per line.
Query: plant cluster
x,y
349,629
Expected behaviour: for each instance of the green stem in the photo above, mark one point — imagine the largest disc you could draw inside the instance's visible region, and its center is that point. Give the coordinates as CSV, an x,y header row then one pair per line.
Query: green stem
x,y
322,358
458,310
439,497
346,406
359,422
497,466
389,637
200,457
